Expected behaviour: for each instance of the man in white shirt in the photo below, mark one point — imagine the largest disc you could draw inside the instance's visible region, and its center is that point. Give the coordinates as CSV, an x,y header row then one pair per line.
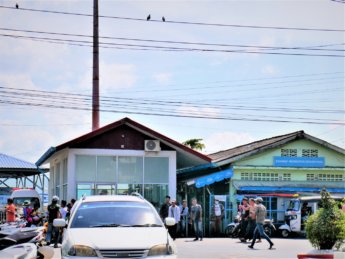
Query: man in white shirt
x,y
217,215
174,212
63,209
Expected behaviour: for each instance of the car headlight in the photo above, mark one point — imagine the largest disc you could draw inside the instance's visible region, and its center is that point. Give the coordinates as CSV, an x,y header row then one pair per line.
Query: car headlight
x,y
79,250
161,250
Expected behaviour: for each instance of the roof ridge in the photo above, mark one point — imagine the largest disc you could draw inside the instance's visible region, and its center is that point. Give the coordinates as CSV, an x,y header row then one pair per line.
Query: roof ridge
x,y
261,140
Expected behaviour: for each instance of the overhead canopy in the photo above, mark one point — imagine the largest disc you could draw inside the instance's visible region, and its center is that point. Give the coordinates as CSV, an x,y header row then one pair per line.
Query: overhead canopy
x,y
11,167
288,189
288,186
212,178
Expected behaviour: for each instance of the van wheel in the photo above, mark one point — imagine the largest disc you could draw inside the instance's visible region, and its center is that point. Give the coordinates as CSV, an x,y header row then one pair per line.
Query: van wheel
x,y
285,233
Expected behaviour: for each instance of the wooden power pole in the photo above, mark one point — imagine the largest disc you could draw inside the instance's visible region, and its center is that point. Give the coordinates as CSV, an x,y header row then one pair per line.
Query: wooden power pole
x,y
95,77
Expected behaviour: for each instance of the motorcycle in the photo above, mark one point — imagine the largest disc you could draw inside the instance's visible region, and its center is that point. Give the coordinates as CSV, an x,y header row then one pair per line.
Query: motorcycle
x,y
234,228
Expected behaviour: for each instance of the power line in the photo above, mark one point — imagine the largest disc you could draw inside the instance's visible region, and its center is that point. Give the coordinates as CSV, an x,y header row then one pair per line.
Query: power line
x,y
127,105
179,22
318,47
48,96
75,96
154,47
170,114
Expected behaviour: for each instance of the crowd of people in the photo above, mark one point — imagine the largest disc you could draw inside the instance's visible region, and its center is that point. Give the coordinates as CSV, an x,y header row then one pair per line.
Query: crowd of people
x,y
252,212
183,217
34,217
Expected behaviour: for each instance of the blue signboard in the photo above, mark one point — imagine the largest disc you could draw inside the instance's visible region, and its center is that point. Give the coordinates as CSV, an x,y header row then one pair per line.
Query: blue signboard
x,y
314,162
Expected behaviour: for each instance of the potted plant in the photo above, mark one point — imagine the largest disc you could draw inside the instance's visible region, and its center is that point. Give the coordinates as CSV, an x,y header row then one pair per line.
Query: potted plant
x,y
326,228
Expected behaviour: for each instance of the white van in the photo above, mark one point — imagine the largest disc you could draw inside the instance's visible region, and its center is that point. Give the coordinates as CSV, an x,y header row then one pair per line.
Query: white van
x,y
22,195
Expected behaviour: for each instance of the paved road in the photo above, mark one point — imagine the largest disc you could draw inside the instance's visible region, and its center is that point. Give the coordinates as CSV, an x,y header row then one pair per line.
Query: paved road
x,y
233,248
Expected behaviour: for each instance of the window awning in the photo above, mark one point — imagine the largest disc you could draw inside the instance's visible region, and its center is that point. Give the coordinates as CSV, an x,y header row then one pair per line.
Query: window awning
x,y
212,178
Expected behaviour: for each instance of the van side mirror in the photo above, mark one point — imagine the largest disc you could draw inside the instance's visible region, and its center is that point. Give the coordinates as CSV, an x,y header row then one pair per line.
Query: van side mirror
x,y
169,222
59,223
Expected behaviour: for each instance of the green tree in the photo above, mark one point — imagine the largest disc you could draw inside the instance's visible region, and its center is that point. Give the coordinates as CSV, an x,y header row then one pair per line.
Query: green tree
x,y
194,143
326,228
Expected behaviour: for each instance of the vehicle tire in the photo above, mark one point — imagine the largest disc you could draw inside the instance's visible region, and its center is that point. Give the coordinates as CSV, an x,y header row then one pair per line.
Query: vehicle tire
x,y
285,233
229,231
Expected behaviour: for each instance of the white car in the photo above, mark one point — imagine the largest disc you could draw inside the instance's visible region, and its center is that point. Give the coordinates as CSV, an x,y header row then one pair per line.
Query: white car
x,y
116,226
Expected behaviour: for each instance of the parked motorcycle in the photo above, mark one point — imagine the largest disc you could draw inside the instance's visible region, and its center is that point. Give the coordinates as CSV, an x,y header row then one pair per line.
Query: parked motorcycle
x,y
234,228
22,235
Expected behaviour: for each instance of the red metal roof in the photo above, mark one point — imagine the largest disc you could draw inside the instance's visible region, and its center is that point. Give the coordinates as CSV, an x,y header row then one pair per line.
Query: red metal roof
x,y
134,125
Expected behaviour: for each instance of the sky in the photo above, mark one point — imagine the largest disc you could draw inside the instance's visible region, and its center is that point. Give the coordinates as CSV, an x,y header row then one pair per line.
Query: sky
x,y
238,93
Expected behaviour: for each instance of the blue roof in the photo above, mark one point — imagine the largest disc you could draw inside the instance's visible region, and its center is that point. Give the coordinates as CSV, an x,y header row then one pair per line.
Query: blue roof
x,y
9,162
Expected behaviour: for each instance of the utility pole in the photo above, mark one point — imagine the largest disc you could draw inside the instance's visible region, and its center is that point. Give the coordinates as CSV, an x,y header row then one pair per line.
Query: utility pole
x,y
95,77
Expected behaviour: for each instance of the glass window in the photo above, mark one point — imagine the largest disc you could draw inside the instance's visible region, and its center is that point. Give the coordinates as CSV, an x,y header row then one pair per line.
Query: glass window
x,y
156,170
57,174
105,189
86,168
124,188
64,191
106,168
130,170
155,193
115,214
64,171
87,189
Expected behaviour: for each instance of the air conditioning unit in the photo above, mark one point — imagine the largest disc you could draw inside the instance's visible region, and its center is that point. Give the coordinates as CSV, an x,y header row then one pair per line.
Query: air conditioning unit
x,y
152,145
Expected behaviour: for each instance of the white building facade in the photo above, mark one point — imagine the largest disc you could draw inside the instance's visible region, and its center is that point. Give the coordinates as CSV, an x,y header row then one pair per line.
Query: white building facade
x,y
118,159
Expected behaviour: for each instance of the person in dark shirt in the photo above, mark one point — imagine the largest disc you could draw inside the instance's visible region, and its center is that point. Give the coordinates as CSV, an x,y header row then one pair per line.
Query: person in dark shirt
x,y
53,213
164,211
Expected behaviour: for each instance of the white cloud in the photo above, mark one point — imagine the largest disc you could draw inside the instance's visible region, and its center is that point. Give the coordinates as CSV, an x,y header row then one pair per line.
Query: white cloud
x,y
197,111
162,78
269,70
225,140
17,80
112,77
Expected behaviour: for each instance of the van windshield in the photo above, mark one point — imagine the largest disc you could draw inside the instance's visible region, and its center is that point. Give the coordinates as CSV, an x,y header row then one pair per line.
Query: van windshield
x,y
20,201
115,214
294,205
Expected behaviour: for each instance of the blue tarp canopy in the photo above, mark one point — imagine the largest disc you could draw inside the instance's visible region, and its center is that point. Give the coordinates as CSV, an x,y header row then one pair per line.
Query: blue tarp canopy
x,y
215,177
288,189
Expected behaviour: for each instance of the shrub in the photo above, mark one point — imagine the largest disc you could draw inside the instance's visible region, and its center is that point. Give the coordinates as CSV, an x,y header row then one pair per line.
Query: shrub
x,y
326,228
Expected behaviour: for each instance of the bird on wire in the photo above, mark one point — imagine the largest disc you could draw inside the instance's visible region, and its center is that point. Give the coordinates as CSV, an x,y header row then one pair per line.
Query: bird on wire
x,y
17,6
148,17
163,18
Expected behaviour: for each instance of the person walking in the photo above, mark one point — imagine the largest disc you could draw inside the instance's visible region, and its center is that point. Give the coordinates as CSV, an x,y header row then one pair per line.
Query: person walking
x,y
10,211
53,213
164,211
244,211
174,212
260,212
196,219
184,218
251,223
